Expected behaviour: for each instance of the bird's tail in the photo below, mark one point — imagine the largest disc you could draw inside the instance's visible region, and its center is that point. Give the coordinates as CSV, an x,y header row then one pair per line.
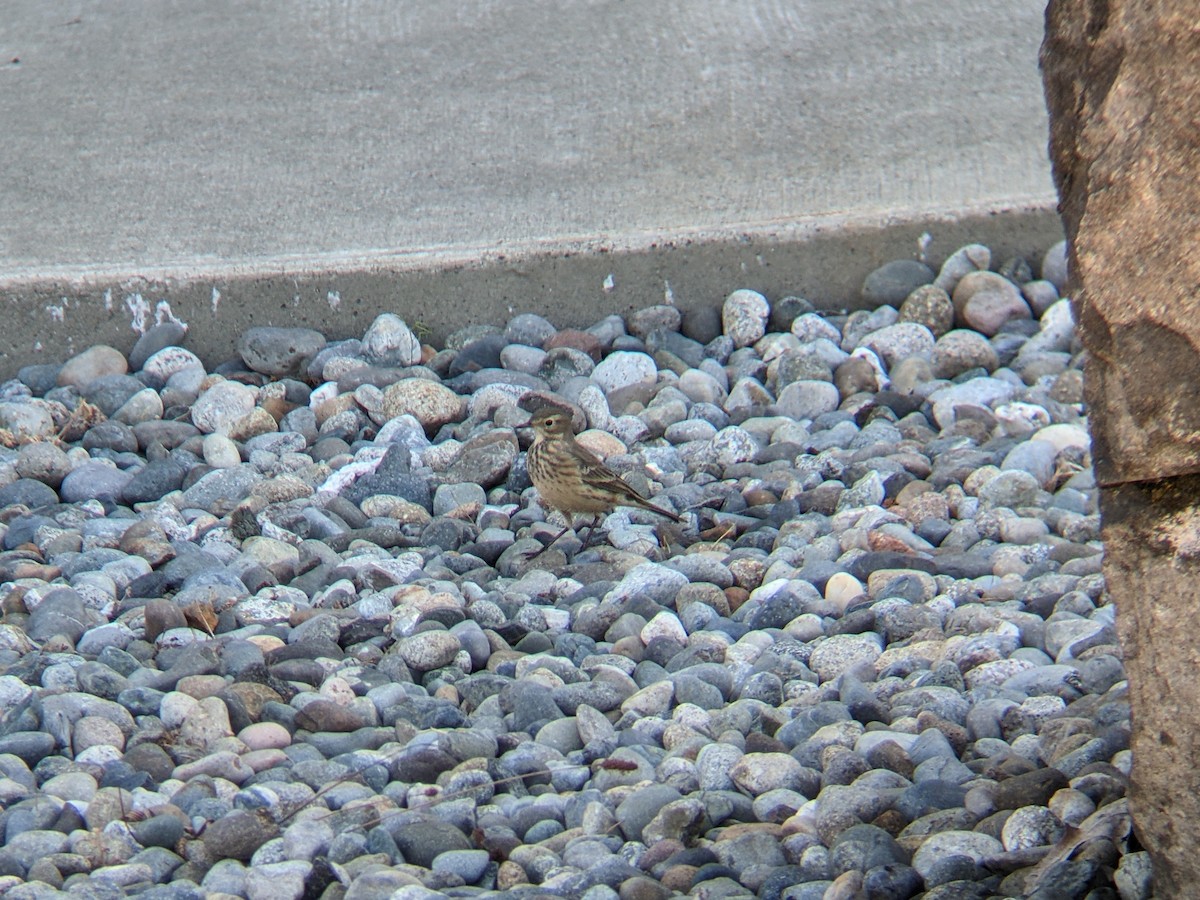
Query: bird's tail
x,y
646,504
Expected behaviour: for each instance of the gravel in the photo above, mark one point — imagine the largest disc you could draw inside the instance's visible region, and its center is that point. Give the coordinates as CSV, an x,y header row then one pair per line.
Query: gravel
x,y
290,627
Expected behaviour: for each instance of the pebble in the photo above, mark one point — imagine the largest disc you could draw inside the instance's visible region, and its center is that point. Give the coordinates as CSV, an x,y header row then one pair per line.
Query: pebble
x,y
929,305
26,420
388,341
744,317
893,282
1054,266
625,369
307,637
963,261
808,399
220,408
92,364
960,351
900,341
279,351
985,301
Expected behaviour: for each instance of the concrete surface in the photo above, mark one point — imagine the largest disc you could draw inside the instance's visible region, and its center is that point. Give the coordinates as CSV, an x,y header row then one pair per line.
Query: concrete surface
x,y
253,162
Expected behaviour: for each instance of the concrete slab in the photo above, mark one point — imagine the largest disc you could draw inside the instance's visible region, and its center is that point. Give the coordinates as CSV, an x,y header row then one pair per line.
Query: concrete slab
x,y
260,161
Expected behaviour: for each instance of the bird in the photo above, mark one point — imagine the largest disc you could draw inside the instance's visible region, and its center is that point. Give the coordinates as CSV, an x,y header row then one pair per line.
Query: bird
x,y
571,479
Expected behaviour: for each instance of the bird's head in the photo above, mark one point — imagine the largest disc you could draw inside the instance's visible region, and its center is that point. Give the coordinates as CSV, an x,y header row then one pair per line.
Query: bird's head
x,y
550,422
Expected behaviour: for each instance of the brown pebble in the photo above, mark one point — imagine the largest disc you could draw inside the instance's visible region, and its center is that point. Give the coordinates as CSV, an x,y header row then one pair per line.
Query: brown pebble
x,y
890,821
29,569
160,616
334,405
639,887
254,696
447,692
14,602
660,852
499,657
238,834
854,376
277,407
1029,789
847,886
577,340
152,551
151,759
468,512
879,541
509,875
325,715
891,756
954,733
759,497
747,572
911,491
757,742
736,596
737,829
679,878
201,686
302,615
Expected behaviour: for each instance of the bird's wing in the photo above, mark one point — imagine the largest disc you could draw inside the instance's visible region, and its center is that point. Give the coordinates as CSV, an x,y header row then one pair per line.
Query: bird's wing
x,y
597,473
589,459
594,472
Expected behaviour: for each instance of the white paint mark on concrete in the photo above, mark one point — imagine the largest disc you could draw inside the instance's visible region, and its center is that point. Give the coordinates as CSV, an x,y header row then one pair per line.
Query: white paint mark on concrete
x,y
334,298
108,304
668,293
58,313
609,284
216,300
923,243
162,313
139,312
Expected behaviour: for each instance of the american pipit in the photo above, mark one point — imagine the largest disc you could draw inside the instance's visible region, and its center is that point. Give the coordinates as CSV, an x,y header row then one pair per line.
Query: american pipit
x,y
571,479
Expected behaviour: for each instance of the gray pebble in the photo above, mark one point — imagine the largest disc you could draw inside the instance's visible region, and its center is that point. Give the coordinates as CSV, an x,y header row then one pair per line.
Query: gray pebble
x,y
1054,266
388,341
892,282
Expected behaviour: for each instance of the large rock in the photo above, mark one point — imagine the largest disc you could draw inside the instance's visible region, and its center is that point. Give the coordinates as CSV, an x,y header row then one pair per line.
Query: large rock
x,y
1123,87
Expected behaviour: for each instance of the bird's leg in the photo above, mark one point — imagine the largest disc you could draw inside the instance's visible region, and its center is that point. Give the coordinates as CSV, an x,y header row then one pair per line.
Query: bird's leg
x,y
556,537
591,530
569,527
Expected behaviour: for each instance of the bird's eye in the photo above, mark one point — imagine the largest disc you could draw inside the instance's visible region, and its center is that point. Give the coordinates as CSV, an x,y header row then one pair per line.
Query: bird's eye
x,y
548,422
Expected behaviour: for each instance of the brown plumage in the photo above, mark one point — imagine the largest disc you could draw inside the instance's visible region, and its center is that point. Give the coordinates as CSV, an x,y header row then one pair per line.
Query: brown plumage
x,y
571,479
